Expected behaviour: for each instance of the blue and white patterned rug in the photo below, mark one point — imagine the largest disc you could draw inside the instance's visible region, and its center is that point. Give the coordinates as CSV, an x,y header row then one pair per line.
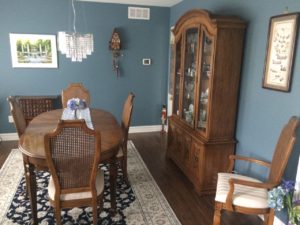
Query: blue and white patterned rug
x,y
140,203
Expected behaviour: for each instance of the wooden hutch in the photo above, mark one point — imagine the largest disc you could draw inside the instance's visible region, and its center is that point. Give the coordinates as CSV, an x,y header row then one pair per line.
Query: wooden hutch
x,y
207,65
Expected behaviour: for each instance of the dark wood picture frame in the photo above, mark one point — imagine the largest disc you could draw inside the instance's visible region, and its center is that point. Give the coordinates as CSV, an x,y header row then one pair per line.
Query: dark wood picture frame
x,y
281,46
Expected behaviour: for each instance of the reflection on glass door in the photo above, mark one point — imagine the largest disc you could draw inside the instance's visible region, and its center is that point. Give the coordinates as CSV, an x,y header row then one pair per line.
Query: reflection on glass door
x,y
206,60
190,57
177,77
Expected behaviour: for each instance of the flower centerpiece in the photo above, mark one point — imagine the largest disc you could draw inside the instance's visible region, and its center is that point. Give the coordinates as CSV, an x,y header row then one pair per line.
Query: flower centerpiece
x,y
76,103
282,197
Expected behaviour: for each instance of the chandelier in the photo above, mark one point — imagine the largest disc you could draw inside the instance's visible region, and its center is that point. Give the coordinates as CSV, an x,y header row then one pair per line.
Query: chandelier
x,y
75,45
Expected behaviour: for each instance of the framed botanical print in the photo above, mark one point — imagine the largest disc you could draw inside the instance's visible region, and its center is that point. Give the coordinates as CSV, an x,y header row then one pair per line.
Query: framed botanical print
x,y
280,51
33,50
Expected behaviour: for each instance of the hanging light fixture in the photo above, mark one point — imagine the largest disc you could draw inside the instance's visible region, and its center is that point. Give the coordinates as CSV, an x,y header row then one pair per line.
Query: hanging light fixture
x,y
75,45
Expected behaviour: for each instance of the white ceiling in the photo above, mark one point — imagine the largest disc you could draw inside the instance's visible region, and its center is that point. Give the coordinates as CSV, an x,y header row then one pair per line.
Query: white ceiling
x,y
163,3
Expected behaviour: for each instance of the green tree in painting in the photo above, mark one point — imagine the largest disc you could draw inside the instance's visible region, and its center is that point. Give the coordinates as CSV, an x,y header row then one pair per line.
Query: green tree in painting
x,y
34,51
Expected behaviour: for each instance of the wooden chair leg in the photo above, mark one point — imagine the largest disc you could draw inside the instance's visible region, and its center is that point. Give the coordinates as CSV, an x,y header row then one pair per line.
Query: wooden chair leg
x,y
124,169
124,165
100,203
217,214
26,181
269,218
95,212
58,215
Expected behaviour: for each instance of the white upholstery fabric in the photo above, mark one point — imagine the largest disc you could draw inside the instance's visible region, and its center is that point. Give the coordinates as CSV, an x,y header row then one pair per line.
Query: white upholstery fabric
x,y
85,114
120,153
243,195
79,195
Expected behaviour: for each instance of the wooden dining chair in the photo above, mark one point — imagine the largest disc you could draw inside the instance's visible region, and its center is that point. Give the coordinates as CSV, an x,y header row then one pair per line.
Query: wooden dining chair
x,y
17,114
33,106
75,90
73,154
248,195
125,123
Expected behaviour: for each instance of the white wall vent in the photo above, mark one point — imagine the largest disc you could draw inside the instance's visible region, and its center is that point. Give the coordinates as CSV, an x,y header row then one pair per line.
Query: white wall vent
x,y
138,13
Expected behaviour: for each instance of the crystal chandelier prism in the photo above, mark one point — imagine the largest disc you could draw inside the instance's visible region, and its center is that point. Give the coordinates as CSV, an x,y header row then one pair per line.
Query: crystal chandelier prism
x,y
75,45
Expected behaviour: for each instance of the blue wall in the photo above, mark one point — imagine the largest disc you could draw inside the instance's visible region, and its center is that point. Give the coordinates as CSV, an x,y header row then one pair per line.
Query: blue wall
x,y
262,112
141,39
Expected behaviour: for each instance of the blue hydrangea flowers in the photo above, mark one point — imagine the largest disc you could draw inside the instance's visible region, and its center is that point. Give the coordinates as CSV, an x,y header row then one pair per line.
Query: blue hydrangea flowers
x,y
282,197
76,103
275,198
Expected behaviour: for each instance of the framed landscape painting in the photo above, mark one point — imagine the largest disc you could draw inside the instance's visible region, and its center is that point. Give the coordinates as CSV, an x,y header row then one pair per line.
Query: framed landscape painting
x,y
283,31
33,50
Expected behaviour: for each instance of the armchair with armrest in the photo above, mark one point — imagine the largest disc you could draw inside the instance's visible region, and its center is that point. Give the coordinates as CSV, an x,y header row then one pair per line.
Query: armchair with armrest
x,y
248,195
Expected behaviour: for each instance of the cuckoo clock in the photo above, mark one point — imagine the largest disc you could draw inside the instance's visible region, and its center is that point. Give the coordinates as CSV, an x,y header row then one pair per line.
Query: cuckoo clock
x,y
115,47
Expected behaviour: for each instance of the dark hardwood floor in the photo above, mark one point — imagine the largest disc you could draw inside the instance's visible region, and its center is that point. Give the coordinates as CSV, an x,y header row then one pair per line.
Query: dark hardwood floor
x,y
178,190
190,208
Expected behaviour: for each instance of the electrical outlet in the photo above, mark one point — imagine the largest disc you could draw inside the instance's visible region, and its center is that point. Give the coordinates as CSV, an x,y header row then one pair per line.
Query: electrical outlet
x,y
10,119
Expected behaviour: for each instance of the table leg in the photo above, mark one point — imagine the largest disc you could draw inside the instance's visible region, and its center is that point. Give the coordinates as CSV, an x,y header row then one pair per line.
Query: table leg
x,y
113,182
31,188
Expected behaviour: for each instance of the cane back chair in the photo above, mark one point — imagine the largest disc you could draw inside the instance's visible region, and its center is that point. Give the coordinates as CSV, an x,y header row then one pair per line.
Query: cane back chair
x,y
73,154
249,195
75,90
17,114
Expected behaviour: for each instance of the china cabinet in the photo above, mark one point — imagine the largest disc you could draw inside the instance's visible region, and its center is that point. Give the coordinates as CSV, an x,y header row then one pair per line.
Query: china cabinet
x,y
207,63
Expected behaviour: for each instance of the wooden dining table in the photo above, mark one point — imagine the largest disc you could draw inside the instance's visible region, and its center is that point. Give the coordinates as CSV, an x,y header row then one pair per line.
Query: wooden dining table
x,y
31,144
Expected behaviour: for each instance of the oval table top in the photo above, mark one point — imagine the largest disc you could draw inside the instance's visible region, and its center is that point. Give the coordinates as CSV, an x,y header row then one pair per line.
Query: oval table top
x,y
31,143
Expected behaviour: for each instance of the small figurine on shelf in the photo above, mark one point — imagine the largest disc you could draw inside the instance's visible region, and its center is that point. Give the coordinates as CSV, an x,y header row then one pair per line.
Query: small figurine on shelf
x,y
163,118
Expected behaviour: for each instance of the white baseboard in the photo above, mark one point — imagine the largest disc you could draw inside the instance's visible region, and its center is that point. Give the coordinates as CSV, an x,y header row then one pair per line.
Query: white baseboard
x,y
9,137
135,129
144,129
278,221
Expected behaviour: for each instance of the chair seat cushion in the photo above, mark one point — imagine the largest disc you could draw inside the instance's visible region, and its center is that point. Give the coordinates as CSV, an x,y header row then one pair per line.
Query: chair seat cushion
x,y
78,195
244,196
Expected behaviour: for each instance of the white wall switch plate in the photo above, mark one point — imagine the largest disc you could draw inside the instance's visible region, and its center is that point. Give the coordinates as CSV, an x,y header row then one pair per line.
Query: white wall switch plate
x,y
146,62
10,119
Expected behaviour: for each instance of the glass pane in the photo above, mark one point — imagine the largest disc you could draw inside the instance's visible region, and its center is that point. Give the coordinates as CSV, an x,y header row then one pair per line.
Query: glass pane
x,y
206,60
177,78
189,75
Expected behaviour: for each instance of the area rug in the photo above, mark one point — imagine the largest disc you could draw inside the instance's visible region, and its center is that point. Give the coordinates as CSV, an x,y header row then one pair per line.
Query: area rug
x,y
140,203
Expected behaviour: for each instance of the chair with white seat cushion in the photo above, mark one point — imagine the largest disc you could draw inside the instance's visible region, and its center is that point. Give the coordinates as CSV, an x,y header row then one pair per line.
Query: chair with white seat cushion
x,y
248,195
73,154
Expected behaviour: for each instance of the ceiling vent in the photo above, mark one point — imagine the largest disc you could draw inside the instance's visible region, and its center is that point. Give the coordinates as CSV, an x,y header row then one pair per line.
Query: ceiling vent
x,y
138,13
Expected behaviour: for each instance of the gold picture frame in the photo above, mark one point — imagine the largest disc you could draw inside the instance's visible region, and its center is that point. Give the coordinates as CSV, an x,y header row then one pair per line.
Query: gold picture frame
x,y
283,31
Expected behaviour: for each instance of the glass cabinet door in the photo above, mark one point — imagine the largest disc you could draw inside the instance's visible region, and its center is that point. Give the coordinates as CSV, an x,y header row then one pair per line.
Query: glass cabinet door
x,y
190,57
205,76
177,78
